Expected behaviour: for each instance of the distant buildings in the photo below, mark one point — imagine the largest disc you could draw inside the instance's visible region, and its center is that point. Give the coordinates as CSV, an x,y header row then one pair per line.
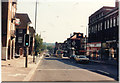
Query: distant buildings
x,y
8,29
75,45
103,32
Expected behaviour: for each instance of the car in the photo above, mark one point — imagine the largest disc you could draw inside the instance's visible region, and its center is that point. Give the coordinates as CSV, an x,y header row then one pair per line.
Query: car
x,y
72,56
17,55
47,56
82,59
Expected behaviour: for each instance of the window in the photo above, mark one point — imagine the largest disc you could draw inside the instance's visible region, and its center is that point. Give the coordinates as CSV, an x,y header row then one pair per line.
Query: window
x,y
101,26
19,39
88,30
20,31
92,29
114,21
111,22
96,28
102,13
107,23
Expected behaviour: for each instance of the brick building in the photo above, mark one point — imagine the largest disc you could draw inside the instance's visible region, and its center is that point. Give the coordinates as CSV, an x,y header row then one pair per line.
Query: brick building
x,y
8,29
76,44
103,32
21,30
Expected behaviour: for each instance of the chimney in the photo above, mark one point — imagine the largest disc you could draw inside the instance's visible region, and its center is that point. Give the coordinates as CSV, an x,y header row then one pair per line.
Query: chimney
x,y
117,3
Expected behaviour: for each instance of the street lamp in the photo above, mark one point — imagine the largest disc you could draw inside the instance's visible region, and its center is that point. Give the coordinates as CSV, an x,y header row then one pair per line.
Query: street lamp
x,y
35,26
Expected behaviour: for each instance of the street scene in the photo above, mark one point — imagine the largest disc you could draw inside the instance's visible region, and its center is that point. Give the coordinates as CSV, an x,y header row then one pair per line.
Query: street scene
x,y
60,41
58,69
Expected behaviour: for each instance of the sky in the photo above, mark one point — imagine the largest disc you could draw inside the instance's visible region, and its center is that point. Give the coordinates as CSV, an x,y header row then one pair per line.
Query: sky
x,y
57,19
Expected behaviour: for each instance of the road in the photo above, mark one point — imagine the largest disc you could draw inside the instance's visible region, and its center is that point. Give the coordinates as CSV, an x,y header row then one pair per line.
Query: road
x,y
57,69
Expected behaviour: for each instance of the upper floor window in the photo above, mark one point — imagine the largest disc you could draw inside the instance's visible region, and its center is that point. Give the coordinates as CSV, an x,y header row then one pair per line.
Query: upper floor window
x,y
111,22
96,28
107,23
20,31
101,26
114,21
92,29
88,30
19,39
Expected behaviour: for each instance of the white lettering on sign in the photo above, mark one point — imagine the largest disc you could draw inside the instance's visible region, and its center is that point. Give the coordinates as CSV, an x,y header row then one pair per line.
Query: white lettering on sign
x,y
94,45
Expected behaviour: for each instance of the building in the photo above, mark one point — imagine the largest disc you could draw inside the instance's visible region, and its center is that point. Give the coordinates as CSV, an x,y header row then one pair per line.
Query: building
x,y
103,32
21,30
8,29
75,45
78,43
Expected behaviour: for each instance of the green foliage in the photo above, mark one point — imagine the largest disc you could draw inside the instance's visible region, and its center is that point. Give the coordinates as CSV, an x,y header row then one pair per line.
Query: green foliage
x,y
44,47
50,48
39,44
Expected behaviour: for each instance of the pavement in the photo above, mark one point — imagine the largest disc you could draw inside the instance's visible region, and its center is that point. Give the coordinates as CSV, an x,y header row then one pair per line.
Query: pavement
x,y
14,69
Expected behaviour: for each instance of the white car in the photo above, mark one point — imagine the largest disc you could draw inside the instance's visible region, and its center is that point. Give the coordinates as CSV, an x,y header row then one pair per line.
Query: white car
x,y
82,59
17,55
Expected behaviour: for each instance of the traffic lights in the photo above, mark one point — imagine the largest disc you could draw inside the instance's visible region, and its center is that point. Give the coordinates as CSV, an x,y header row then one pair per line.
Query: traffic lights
x,y
26,40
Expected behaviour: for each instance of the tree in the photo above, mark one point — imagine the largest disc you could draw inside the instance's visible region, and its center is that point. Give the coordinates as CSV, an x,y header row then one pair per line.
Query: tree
x,y
44,47
38,43
50,48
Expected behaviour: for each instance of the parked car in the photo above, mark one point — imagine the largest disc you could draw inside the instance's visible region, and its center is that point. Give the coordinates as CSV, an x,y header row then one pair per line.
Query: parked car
x,y
17,55
82,59
47,55
72,56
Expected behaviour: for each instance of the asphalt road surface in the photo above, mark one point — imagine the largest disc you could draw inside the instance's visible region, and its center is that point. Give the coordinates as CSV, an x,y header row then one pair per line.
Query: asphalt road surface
x,y
54,69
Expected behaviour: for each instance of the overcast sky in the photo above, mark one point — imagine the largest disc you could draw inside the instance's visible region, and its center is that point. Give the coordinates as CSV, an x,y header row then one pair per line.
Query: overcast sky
x,y
56,19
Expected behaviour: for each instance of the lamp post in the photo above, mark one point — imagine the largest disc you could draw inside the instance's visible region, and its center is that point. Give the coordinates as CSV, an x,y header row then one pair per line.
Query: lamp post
x,y
35,25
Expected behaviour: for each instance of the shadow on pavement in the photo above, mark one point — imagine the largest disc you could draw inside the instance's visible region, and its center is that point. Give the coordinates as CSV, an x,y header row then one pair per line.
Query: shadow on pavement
x,y
94,67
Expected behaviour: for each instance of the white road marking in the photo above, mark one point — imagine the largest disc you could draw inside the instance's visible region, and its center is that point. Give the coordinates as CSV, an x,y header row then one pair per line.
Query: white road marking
x,y
17,75
64,69
103,71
